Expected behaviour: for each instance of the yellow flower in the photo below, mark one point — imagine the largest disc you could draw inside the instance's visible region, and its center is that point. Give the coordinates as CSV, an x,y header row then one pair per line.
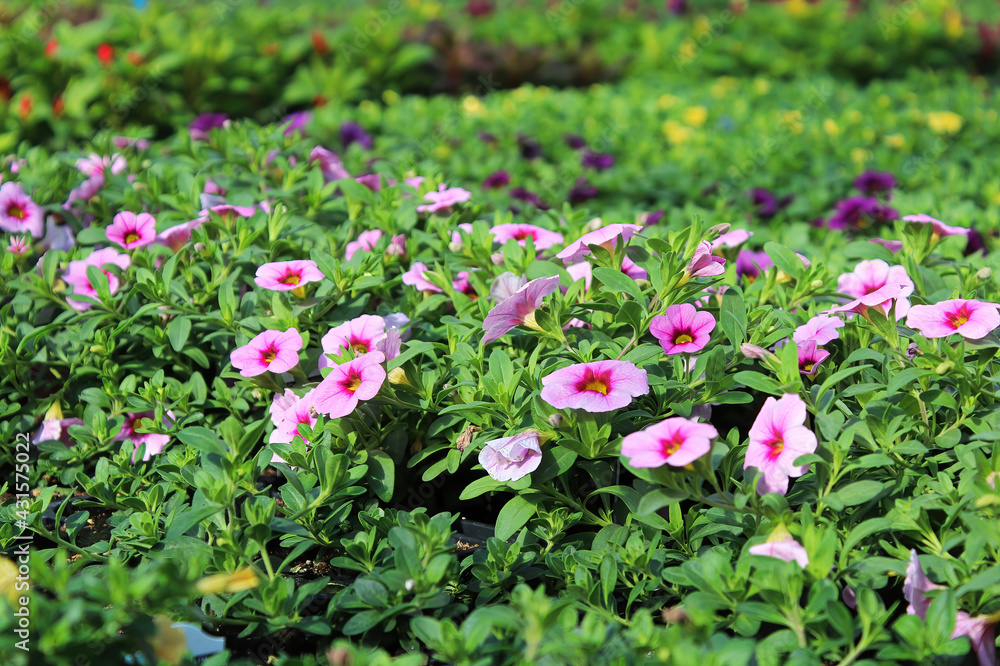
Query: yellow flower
x,y
695,116
238,581
473,105
797,8
793,121
830,127
398,376
666,101
169,644
953,23
8,582
688,49
896,141
944,122
677,133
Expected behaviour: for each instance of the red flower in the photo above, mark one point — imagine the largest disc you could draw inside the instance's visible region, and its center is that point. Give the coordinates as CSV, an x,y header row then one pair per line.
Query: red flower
x,y
319,43
320,100
58,105
51,48
134,58
105,53
26,104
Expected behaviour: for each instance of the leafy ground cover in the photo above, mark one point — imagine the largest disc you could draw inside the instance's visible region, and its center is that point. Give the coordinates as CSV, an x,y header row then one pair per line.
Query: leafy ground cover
x,y
679,368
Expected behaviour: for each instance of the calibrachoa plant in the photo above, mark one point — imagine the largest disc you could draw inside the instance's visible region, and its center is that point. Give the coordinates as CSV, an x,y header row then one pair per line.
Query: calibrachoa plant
x,y
338,400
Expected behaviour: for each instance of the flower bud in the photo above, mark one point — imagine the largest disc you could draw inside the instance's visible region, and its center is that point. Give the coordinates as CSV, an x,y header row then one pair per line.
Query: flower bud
x,y
555,420
984,273
755,352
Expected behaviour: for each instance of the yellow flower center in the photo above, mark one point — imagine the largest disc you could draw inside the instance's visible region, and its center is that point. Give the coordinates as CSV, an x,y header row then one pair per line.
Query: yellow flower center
x,y
17,211
290,278
683,338
131,237
596,385
269,355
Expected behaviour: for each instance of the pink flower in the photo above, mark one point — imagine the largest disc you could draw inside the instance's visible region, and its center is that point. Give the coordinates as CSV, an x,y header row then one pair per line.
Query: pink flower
x,y
361,335
372,181
704,263
19,245
871,275
675,441
154,441
443,199
178,235
821,329
55,430
76,275
632,269
18,212
734,238
456,236
581,271
96,165
810,356
131,231
788,550
269,351
777,438
331,166
969,318
606,237
227,211
415,181
366,242
397,246
519,308
57,237
415,277
287,275
879,298
506,285
599,386
940,228
893,246
360,379
288,412
540,237
511,458
683,329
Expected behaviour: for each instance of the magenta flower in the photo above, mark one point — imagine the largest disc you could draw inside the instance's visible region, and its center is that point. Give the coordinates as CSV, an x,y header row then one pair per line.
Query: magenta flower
x,y
131,231
810,356
415,278
777,438
366,242
751,264
269,351
542,238
879,298
871,275
360,379
373,181
633,270
204,123
581,271
683,329
331,166
519,308
511,458
821,329
19,245
287,275
734,238
296,122
506,285
675,441
788,550
496,180
971,319
55,430
96,165
154,441
18,212
704,263
76,275
227,211
871,182
178,235
288,412
361,335
893,246
599,386
940,228
606,237
443,199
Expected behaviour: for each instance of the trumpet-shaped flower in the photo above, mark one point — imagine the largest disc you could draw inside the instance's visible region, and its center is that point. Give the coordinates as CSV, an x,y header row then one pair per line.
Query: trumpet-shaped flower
x,y
633,270
599,386
511,458
131,231
443,199
347,384
178,235
606,237
821,329
55,430
541,237
750,264
366,242
675,441
787,549
880,298
288,412
269,351
777,438
287,275
76,275
519,308
940,228
329,164
683,329
506,285
361,335
18,212
969,318
206,122
154,441
871,275
704,263
810,356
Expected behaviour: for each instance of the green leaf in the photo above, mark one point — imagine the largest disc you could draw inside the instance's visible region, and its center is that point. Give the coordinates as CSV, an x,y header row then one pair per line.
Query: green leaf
x,y
618,282
178,331
513,516
203,439
733,317
381,474
784,259
858,492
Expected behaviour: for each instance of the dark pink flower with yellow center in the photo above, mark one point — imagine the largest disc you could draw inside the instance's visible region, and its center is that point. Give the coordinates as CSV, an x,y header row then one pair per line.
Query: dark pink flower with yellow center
x,y
76,275
349,383
287,275
18,212
871,275
969,318
541,238
361,335
810,356
269,351
683,329
675,441
777,438
600,386
131,231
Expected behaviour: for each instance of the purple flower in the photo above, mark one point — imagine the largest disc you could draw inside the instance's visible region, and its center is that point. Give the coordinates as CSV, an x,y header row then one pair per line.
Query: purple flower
x,y
329,164
582,191
530,149
351,132
372,181
206,122
871,182
486,137
526,196
496,180
651,218
297,122
598,161
751,264
767,204
858,212
575,142
677,7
